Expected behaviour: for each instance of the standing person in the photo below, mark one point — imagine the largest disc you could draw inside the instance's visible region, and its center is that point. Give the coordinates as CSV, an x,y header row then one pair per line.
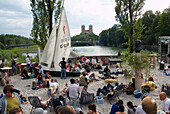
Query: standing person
x,y
10,100
13,64
28,62
115,107
166,101
3,63
62,64
31,66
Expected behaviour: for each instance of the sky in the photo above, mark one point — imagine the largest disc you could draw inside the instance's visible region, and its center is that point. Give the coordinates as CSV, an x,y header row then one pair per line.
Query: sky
x,y
16,16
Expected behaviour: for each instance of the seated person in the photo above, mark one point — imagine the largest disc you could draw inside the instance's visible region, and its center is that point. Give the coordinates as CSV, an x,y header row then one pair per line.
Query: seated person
x,y
3,77
131,86
106,71
73,90
77,81
44,102
167,72
24,74
53,86
94,62
83,79
78,62
88,69
76,68
69,68
84,90
47,79
117,70
41,70
40,78
106,92
88,60
151,79
98,66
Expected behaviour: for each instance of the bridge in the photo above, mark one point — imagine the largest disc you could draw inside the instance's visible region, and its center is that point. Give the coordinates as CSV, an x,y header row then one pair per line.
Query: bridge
x,y
85,43
19,45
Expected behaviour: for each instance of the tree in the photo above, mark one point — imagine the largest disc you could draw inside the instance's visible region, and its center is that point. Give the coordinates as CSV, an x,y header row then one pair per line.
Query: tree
x,y
43,15
103,37
127,13
164,23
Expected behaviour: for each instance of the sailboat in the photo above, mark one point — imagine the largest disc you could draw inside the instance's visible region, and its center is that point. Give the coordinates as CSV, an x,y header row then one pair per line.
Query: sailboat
x,y
57,46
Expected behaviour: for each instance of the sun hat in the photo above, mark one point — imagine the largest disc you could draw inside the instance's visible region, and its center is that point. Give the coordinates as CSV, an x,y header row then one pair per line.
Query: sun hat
x,y
40,111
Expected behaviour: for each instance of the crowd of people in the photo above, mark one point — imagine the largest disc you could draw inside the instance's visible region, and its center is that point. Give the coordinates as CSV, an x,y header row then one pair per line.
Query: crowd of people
x,y
12,100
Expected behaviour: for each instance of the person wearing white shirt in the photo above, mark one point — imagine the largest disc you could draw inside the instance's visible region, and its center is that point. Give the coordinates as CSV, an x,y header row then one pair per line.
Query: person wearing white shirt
x,y
73,90
166,102
139,110
77,69
88,60
53,86
94,61
28,62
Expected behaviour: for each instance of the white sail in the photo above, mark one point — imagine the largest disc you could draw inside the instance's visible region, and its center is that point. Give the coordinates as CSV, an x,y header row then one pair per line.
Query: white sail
x,y
58,45
48,53
63,43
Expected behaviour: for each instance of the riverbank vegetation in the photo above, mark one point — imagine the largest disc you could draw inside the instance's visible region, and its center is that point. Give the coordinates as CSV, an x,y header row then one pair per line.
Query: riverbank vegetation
x,y
156,24
10,39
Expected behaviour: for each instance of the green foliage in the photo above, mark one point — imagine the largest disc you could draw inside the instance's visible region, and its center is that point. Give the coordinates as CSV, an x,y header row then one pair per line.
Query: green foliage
x,y
103,37
85,37
22,59
43,15
7,39
112,36
156,25
128,12
136,62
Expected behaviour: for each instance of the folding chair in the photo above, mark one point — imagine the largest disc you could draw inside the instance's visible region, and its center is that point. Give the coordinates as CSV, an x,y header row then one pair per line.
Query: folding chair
x,y
35,102
86,99
116,95
117,92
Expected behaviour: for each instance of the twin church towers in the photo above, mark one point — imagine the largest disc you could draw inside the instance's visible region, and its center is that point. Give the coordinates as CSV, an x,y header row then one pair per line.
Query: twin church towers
x,y
87,31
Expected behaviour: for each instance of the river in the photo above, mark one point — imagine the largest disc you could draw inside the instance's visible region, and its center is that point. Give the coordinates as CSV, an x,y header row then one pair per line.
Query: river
x,y
91,51
96,50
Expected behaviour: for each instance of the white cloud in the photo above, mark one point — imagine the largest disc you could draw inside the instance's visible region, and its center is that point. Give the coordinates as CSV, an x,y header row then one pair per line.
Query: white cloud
x,y
16,15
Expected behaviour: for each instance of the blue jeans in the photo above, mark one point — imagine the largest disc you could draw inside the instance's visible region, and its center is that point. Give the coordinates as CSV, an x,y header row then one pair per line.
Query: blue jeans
x,y
63,72
13,68
105,90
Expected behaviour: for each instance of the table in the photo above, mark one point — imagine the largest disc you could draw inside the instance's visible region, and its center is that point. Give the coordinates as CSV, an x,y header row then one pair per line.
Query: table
x,y
115,61
6,70
22,66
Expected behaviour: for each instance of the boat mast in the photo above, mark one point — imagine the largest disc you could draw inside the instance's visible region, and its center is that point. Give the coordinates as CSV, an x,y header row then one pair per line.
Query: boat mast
x,y
57,32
